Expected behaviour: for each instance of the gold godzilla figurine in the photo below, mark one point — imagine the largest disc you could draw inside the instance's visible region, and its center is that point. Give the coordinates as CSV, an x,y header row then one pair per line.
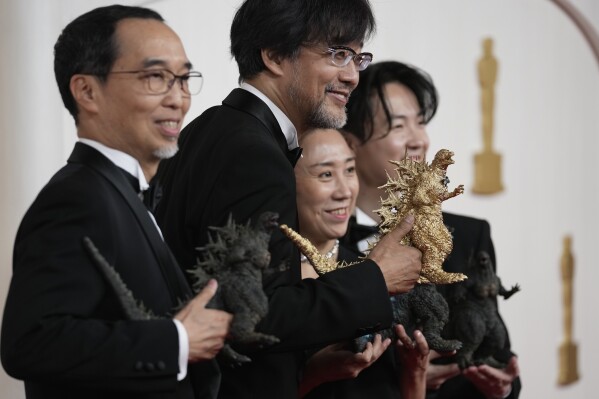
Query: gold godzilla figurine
x,y
418,189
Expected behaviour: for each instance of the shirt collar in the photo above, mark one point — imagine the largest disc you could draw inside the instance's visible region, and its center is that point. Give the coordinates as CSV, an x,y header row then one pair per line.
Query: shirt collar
x,y
120,159
364,219
287,127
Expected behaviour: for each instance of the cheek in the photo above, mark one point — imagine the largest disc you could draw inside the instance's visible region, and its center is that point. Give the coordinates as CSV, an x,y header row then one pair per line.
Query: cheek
x,y
354,187
309,197
380,154
395,147
426,143
186,105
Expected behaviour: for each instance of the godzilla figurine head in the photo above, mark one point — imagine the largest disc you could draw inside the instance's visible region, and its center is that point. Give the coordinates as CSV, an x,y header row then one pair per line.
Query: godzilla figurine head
x,y
443,158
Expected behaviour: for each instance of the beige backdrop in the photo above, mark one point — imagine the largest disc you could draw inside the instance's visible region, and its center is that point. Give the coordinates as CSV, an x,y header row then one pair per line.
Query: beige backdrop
x,y
546,127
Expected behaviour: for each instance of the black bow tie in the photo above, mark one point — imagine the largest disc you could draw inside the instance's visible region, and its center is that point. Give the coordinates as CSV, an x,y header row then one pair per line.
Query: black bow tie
x,y
293,155
150,196
356,233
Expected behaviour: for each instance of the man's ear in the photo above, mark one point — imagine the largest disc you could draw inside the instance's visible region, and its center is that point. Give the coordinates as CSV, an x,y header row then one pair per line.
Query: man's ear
x,y
84,89
272,61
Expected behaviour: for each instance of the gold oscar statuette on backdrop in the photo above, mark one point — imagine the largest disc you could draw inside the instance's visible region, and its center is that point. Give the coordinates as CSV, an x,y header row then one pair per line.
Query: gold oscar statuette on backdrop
x,y
568,358
487,164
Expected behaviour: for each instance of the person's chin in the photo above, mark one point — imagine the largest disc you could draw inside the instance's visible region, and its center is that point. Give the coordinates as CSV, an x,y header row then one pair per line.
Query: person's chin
x,y
329,118
166,152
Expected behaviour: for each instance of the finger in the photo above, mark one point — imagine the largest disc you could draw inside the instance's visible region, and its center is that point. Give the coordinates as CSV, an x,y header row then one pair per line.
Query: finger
x,y
379,346
206,294
495,375
367,352
400,331
183,313
420,342
403,337
435,355
448,371
512,367
475,375
403,228
386,344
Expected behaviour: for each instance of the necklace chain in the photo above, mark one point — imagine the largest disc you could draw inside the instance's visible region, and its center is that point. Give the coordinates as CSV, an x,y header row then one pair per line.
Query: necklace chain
x,y
328,255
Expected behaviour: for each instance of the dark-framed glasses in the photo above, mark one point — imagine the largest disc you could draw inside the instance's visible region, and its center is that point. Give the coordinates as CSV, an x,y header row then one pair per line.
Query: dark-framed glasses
x,y
160,81
341,56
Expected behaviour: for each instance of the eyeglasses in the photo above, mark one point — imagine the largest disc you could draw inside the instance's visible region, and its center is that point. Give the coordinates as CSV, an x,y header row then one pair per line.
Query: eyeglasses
x,y
341,56
160,81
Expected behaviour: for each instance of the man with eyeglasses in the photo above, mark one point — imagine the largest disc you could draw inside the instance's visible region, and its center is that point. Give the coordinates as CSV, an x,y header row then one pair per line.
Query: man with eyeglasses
x,y
90,308
298,63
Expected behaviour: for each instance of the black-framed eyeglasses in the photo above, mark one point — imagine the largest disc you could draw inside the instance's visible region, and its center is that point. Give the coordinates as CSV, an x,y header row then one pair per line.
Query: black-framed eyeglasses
x,y
160,81
341,56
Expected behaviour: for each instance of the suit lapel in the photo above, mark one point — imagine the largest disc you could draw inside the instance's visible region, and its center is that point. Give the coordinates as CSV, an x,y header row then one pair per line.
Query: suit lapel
x,y
245,101
83,154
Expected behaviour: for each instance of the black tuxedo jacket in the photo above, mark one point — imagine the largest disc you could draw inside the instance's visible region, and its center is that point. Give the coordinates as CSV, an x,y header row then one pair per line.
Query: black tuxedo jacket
x,y
233,160
470,235
64,333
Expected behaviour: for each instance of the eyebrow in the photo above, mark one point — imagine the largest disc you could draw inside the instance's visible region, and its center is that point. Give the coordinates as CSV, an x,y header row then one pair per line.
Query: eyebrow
x,y
404,117
330,163
156,61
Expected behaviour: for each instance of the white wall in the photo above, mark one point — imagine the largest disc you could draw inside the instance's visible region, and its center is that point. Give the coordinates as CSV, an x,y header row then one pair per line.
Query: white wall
x,y
546,127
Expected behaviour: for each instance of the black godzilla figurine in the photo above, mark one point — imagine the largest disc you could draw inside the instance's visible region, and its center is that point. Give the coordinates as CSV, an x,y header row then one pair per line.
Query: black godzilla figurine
x,y
474,319
237,256
423,308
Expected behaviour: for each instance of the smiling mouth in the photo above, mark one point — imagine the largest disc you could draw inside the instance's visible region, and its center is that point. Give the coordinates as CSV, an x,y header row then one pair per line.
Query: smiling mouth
x,y
170,124
341,94
338,211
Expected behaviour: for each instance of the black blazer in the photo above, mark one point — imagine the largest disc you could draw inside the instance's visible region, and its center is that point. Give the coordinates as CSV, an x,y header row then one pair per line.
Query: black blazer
x,y
470,235
379,381
64,333
233,160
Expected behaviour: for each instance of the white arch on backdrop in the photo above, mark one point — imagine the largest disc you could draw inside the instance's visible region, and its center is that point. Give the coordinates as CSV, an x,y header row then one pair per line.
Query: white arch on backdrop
x,y
589,33
30,116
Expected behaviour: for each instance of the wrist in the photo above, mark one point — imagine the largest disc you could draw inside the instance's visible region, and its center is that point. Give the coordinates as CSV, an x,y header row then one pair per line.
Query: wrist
x,y
509,392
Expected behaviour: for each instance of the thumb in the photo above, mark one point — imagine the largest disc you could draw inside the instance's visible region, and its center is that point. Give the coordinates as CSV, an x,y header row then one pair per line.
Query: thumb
x,y
512,367
402,228
207,293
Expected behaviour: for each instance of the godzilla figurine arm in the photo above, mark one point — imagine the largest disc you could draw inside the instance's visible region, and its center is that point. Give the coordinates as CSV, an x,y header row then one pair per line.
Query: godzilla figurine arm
x,y
505,293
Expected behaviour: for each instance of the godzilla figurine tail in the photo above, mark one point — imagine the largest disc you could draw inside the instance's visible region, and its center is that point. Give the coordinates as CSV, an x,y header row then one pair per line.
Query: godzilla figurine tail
x,y
133,309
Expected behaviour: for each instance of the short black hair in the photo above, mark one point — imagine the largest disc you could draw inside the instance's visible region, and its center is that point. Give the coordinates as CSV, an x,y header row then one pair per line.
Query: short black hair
x,y
360,112
87,46
285,25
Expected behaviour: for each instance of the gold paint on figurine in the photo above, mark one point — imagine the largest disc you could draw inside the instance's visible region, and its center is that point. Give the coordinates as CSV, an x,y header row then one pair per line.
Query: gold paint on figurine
x,y
419,189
